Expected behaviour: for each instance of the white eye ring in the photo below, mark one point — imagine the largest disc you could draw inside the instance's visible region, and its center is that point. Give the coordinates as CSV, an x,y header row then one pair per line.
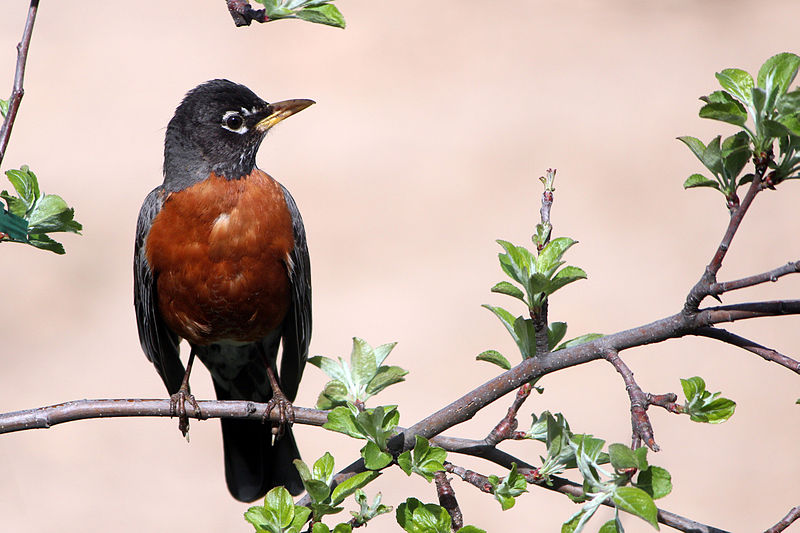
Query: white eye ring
x,y
233,121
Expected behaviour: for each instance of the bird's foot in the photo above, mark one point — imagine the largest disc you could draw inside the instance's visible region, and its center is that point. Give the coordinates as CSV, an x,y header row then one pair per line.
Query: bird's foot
x,y
177,407
285,410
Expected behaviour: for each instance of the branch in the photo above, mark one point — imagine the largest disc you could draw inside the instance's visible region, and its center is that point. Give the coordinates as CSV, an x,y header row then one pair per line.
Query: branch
x,y
786,521
17,91
672,327
539,316
243,14
46,417
716,289
702,288
447,499
762,351
506,428
640,422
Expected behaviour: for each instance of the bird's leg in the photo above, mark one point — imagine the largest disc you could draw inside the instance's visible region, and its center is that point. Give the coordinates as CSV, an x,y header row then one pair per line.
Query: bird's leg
x,y
177,402
280,402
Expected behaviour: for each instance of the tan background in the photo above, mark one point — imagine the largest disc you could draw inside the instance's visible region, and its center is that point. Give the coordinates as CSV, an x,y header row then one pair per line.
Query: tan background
x,y
433,121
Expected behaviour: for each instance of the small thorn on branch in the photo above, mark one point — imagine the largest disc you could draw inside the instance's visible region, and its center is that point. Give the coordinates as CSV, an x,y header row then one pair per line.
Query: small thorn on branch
x,y
506,428
447,499
640,422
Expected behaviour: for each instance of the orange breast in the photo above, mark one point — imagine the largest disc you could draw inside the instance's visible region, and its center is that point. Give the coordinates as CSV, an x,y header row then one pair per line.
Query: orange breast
x,y
220,251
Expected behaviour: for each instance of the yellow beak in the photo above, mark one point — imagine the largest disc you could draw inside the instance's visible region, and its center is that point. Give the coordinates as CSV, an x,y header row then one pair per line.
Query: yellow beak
x,y
282,110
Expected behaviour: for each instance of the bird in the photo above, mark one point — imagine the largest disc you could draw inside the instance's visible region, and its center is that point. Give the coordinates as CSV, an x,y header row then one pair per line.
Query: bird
x,y
221,260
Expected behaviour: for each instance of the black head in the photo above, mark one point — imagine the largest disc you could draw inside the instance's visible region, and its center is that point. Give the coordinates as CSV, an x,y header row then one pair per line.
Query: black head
x,y
218,128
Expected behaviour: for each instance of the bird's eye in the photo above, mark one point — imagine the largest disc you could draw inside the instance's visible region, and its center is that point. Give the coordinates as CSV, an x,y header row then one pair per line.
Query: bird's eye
x,y
233,121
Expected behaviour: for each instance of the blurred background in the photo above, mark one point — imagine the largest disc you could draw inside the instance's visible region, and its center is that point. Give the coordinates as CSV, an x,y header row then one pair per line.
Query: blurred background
x,y
433,123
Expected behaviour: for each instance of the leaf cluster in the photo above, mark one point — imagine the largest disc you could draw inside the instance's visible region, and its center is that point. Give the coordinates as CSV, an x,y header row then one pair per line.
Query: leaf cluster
x,y
766,111
317,11
424,459
31,215
417,517
362,378
704,406
375,425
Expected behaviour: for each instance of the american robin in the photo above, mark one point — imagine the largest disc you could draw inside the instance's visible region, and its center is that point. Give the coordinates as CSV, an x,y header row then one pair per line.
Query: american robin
x,y
221,260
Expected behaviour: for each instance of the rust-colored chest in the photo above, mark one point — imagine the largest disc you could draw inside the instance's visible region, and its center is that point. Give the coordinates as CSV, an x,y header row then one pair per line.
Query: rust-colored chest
x,y
220,253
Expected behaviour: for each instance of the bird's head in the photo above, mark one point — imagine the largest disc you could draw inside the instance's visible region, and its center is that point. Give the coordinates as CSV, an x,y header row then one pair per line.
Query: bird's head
x,y
218,128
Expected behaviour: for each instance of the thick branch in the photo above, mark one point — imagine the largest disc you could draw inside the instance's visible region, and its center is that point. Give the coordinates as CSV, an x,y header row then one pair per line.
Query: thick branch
x,y
786,521
19,76
675,326
762,351
773,275
640,422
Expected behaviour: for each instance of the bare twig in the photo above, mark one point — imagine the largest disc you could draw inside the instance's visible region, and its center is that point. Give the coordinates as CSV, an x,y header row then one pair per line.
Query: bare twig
x,y
786,521
473,478
506,428
702,288
243,14
640,422
17,91
762,351
665,401
791,267
447,499
539,316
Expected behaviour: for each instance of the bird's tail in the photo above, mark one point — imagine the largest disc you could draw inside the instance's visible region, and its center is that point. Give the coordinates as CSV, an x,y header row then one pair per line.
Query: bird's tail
x,y
253,462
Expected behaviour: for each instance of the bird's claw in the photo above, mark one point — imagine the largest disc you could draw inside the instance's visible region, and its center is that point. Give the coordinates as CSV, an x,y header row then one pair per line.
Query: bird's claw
x,y
177,407
285,410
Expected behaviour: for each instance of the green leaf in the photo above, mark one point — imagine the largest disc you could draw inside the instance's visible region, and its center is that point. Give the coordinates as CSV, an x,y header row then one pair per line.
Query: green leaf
x,y
471,529
374,457
695,145
516,262
549,258
773,128
609,527
736,153
781,69
323,468
738,83
507,288
362,361
579,340
698,180
327,14
655,481
383,351
329,366
300,518
703,406
334,394
493,356
279,502
25,183
555,332
693,387
714,412
385,376
425,459
3,107
566,275
506,318
50,214
623,458
342,420
42,241
637,502
732,113
416,517
506,490
352,484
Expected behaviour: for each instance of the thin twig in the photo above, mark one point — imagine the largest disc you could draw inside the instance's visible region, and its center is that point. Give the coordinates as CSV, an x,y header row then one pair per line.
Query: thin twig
x,y
539,315
475,479
506,428
640,422
786,521
447,499
19,75
791,267
702,288
762,351
243,14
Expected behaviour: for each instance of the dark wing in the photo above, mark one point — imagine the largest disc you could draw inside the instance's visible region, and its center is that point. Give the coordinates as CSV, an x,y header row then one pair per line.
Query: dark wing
x,y
160,345
297,326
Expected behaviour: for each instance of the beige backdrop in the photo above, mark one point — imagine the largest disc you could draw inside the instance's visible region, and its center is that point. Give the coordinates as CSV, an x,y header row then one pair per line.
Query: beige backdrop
x,y
434,121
